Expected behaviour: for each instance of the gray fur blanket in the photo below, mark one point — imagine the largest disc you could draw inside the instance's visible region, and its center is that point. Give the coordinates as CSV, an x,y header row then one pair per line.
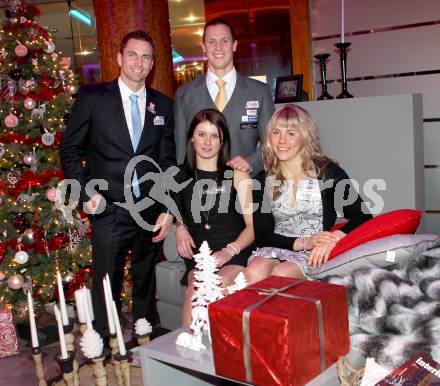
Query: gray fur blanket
x,y
395,314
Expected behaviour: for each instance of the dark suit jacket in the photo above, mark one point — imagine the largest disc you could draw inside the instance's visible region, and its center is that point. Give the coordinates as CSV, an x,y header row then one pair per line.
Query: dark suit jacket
x,y
97,129
264,224
194,96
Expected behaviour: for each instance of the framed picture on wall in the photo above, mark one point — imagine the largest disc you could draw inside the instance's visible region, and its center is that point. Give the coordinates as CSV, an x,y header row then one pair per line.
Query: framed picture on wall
x,y
288,89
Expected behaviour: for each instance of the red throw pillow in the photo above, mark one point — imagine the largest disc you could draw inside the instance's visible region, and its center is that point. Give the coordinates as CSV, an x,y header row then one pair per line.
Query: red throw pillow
x,y
402,221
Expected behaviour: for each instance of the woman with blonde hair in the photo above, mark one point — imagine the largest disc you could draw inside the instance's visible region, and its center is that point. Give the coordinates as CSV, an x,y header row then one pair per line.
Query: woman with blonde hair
x,y
301,190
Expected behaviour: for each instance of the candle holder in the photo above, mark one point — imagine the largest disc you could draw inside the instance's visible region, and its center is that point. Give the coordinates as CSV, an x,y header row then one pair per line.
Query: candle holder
x,y
39,369
143,339
83,328
66,366
70,344
99,371
343,54
116,364
323,67
125,367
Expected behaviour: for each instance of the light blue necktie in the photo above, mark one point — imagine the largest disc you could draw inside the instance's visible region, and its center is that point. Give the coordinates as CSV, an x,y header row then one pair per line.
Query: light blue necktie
x,y
137,131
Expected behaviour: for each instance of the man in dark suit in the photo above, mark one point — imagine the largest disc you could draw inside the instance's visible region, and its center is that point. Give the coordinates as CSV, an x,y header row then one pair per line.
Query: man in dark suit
x,y
111,123
246,103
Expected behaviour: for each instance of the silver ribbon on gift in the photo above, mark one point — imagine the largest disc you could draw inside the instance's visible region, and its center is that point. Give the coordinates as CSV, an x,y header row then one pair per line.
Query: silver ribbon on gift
x,y
271,292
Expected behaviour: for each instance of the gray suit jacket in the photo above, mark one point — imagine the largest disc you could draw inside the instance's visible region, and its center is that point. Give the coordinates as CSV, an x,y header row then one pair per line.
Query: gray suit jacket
x,y
247,113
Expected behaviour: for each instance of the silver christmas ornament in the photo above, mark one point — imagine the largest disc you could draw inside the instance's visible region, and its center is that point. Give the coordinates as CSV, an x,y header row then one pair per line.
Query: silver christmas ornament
x,y
15,282
50,47
48,139
30,159
13,176
21,257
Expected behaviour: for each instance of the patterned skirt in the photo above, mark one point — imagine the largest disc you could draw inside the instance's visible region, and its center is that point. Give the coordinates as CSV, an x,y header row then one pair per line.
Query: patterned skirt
x,y
299,258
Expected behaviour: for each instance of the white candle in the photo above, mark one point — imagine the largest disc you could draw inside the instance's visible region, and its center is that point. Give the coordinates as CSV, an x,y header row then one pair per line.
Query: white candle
x,y
34,335
86,307
121,343
108,304
61,333
342,21
89,304
62,300
80,306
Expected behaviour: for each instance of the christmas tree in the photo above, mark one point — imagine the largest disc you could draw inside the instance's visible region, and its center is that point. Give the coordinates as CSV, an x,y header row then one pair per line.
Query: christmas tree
x,y
36,238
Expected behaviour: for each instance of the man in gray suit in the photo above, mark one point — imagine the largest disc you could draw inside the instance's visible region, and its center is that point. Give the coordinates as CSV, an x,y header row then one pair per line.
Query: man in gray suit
x,y
246,103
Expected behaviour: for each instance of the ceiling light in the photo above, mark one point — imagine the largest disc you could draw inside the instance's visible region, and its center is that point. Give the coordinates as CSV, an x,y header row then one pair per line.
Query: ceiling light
x,y
177,57
191,18
81,16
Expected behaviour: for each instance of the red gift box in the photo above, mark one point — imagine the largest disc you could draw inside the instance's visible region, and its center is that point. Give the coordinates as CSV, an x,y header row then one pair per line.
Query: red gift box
x,y
279,331
8,336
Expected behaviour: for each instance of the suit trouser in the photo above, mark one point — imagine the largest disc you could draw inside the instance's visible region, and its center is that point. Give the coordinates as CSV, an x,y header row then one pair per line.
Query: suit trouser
x,y
113,235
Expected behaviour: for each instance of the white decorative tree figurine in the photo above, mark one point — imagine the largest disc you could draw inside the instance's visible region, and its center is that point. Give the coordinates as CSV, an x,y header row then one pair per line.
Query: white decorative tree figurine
x,y
240,282
208,290
207,281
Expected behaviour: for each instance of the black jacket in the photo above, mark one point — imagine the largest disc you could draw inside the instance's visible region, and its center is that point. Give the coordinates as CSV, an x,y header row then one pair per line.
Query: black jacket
x,y
97,129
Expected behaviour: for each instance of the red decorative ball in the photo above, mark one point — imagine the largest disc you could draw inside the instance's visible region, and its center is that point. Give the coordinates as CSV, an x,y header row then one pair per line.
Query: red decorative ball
x,y
21,222
52,194
21,50
2,251
15,73
11,121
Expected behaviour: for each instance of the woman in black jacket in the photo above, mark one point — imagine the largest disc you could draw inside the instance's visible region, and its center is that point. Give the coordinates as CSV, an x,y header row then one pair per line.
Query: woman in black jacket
x,y
297,204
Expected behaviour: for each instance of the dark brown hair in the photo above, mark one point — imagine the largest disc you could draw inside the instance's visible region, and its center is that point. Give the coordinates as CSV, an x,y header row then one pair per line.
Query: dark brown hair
x,y
216,118
138,35
219,21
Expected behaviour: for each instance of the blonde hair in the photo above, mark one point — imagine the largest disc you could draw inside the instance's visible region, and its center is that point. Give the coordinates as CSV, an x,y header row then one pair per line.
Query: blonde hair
x,y
313,160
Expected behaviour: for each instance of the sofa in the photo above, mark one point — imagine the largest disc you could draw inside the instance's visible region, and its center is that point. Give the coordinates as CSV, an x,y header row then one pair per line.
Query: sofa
x,y
169,291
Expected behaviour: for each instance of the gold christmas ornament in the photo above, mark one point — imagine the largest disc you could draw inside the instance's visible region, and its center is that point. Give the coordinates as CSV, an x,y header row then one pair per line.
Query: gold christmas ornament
x,y
29,103
28,236
72,89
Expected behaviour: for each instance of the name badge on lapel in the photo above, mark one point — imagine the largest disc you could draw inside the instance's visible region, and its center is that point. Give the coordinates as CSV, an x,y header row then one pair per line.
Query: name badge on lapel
x,y
252,104
158,120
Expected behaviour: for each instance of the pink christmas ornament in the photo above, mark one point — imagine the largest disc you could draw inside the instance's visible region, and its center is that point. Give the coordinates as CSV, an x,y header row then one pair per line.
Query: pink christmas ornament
x,y
65,62
11,121
29,103
21,50
52,194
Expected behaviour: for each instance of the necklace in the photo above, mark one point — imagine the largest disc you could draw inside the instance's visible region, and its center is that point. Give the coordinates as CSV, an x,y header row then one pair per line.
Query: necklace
x,y
207,225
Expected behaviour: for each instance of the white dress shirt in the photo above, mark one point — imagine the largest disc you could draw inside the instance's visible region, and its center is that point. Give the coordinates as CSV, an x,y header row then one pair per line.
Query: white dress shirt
x,y
230,78
126,103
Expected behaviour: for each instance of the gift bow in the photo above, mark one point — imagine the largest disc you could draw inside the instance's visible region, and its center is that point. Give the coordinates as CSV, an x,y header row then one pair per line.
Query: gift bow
x,y
271,292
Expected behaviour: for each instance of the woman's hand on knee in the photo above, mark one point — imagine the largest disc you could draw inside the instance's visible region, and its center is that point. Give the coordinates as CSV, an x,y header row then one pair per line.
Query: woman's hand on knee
x,y
184,242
